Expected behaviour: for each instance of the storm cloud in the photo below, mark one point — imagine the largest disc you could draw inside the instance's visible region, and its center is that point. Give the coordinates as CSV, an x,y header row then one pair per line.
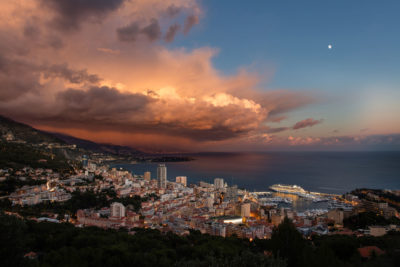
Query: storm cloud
x,y
133,31
69,14
114,76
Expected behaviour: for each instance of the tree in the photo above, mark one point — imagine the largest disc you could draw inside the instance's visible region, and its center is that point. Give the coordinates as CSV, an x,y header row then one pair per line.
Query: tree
x,y
288,243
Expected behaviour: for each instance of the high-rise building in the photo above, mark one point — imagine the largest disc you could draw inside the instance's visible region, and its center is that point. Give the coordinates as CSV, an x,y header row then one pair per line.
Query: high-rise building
x,y
245,210
162,176
85,160
210,202
232,192
147,176
181,180
219,183
117,210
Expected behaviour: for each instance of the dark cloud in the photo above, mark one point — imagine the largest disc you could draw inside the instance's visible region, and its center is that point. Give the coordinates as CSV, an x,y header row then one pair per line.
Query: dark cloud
x,y
98,104
129,33
152,31
71,13
31,31
16,78
170,35
38,38
132,32
55,42
73,76
173,10
190,21
306,123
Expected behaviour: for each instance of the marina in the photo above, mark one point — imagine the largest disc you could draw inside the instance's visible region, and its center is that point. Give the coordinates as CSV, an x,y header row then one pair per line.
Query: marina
x,y
299,199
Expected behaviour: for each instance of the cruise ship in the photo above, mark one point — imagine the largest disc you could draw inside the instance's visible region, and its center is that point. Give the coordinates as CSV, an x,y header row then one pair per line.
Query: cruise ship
x,y
290,189
299,191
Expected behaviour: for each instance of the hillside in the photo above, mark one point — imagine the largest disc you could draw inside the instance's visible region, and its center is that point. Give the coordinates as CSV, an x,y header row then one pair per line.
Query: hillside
x,y
99,148
22,145
16,137
14,155
16,131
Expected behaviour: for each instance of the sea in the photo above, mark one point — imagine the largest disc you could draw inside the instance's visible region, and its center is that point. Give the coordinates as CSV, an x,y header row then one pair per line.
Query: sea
x,y
328,172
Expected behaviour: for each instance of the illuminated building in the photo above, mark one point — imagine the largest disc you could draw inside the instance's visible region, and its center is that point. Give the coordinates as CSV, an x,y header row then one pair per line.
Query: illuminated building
x,y
162,176
117,210
147,176
85,161
181,180
245,210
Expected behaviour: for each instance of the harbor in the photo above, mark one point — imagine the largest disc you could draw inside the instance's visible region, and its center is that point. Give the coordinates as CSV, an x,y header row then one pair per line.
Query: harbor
x,y
299,199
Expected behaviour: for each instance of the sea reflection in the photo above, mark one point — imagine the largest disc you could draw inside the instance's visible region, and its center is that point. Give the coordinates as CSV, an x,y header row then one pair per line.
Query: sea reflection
x,y
300,204
328,172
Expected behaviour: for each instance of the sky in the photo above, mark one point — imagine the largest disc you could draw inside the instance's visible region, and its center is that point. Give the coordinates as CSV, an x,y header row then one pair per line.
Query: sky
x,y
191,75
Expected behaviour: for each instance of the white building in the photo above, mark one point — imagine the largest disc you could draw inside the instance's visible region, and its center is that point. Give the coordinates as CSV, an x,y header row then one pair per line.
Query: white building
x,y
117,210
162,176
219,183
377,230
210,202
181,180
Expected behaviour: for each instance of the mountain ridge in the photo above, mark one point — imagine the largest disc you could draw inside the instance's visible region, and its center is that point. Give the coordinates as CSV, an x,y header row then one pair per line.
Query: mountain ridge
x,y
14,130
98,147
18,132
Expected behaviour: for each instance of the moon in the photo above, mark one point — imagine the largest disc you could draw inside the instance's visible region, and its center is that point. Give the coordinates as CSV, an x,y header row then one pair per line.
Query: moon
x,y
329,46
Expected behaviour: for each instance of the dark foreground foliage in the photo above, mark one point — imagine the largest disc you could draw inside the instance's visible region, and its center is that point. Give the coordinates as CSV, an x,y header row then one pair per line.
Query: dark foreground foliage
x,y
22,155
365,219
66,245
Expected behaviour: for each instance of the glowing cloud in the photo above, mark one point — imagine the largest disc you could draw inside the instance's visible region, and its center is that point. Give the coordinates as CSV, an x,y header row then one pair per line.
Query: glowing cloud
x,y
97,67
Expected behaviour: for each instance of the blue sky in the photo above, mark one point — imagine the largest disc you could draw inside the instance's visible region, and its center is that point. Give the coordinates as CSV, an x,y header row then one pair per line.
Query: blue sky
x,y
290,38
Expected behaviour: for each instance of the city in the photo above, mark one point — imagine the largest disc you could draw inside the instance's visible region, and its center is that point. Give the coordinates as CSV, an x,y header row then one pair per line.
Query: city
x,y
223,133
216,209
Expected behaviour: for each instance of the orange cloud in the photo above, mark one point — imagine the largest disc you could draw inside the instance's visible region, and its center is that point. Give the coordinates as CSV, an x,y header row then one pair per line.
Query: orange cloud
x,y
100,69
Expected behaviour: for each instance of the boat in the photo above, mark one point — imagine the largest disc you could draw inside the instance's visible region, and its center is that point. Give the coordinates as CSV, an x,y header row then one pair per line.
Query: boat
x,y
319,199
339,205
276,200
290,189
299,191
